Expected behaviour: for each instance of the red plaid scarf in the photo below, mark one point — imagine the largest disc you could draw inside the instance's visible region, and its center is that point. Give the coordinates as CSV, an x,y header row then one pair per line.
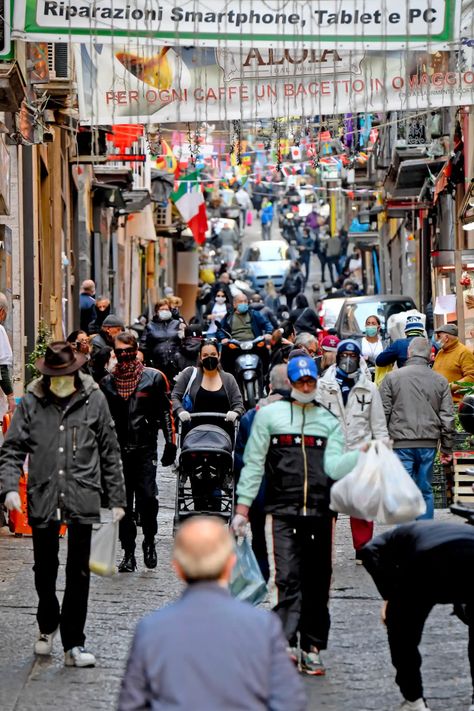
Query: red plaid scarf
x,y
127,376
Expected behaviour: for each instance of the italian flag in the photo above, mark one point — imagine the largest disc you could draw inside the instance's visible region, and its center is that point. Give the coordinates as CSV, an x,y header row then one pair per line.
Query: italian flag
x,y
189,200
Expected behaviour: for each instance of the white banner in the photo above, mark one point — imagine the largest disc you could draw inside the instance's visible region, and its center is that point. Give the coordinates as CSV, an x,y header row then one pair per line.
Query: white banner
x,y
371,24
131,85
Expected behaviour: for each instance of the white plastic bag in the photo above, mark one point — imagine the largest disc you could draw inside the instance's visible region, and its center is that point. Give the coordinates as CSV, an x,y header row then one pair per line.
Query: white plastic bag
x,y
401,500
378,489
104,550
359,493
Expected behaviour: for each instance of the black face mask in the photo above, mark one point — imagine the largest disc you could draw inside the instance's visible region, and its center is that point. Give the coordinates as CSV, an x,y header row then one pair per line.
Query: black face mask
x,y
210,362
125,356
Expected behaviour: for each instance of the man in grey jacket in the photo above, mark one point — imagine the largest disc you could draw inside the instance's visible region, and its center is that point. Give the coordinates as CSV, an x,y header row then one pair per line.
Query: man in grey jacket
x,y
64,425
419,411
208,651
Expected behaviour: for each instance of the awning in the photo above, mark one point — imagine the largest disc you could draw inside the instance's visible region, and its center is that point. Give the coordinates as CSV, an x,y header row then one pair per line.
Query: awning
x,y
412,178
140,225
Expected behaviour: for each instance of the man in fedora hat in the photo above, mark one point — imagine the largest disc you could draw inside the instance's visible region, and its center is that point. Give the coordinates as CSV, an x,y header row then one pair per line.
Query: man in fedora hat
x,y
64,425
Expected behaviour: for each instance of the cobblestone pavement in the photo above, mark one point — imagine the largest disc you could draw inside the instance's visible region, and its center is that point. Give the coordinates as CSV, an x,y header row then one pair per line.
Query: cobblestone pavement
x,y
359,674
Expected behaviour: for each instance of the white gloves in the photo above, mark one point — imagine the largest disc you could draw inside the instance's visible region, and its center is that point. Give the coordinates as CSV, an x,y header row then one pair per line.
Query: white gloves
x,y
239,524
231,416
117,513
184,416
13,501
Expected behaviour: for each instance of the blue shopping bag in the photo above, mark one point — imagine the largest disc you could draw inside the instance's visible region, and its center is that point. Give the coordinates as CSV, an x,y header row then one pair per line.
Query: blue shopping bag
x,y
247,582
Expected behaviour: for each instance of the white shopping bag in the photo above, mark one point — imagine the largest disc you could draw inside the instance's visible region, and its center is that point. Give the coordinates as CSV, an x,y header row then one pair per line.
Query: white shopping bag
x,y
102,560
359,493
378,489
402,500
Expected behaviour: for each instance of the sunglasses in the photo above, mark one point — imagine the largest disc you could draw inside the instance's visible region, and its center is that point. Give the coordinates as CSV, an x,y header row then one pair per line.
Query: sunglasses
x,y
130,349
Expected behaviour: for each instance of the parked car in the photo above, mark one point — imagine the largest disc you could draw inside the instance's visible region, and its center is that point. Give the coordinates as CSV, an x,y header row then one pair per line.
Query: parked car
x,y
356,309
268,259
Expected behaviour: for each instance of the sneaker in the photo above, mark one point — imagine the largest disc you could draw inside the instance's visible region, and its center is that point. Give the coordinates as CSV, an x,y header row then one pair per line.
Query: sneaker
x,y
311,663
418,705
44,643
79,657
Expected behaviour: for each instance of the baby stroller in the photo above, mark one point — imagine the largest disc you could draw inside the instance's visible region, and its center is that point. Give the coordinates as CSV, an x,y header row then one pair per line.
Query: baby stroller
x,y
205,476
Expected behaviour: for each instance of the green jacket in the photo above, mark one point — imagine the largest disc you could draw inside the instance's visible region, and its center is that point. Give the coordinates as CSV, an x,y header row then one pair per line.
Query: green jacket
x,y
302,449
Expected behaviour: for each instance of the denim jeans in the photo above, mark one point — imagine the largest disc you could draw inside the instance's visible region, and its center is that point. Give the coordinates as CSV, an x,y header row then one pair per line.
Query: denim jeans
x,y
418,461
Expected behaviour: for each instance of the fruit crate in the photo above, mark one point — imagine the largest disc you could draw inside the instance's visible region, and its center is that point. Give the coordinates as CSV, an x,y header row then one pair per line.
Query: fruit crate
x,y
442,486
463,463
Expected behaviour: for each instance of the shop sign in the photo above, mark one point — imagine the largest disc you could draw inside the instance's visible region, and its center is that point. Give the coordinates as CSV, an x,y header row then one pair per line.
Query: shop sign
x,y
129,84
333,23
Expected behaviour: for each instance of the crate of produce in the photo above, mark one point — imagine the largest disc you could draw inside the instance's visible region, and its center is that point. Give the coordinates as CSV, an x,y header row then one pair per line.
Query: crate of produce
x,y
463,463
441,486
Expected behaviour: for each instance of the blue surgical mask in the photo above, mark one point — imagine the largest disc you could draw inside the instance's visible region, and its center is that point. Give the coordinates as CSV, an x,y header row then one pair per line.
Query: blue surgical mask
x,y
242,308
371,331
437,344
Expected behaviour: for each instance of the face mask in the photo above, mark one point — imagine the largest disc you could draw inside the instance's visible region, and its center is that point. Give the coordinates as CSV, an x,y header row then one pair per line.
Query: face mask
x,y
303,398
220,299
371,331
210,362
348,365
62,385
242,308
164,315
438,343
124,356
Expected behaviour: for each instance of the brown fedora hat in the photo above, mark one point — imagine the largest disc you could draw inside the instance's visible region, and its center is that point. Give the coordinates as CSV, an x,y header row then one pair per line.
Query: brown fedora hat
x,y
60,359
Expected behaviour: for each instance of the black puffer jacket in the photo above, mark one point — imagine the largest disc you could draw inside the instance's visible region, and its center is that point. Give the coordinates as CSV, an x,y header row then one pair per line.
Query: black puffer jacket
x,y
139,418
160,342
71,452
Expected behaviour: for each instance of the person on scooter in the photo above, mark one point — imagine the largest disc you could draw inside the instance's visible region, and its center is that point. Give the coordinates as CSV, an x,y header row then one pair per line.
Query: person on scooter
x,y
243,324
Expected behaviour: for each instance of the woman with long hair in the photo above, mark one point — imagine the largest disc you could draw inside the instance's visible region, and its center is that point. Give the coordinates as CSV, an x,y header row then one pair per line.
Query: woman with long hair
x,y
371,344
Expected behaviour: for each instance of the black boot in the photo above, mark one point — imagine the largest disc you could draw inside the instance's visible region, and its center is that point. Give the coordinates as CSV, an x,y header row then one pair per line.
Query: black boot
x,y
149,553
128,563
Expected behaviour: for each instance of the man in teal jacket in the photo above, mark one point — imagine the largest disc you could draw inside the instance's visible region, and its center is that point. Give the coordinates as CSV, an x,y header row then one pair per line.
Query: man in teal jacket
x,y
300,446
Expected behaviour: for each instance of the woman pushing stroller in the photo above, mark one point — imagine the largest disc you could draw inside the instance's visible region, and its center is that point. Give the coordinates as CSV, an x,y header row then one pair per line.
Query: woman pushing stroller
x,y
207,388
207,441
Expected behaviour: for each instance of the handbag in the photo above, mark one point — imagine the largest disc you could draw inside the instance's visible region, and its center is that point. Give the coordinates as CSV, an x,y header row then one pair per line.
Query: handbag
x,y
187,402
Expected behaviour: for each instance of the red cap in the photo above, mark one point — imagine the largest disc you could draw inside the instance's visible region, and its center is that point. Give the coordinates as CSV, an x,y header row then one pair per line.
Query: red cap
x,y
330,343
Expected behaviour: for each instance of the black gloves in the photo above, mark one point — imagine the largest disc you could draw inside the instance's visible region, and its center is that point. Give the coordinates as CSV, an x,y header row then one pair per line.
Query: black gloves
x,y
169,454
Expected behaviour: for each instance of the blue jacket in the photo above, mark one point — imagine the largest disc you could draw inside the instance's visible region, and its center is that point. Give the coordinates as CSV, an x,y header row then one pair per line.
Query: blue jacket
x,y
267,214
397,352
258,321
210,652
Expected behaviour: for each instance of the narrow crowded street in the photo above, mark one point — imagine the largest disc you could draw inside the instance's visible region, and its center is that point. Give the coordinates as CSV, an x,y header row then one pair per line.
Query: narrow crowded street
x,y
359,674
237,355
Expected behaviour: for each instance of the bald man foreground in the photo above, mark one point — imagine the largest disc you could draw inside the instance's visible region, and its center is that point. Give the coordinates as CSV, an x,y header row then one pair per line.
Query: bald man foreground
x,y
208,651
